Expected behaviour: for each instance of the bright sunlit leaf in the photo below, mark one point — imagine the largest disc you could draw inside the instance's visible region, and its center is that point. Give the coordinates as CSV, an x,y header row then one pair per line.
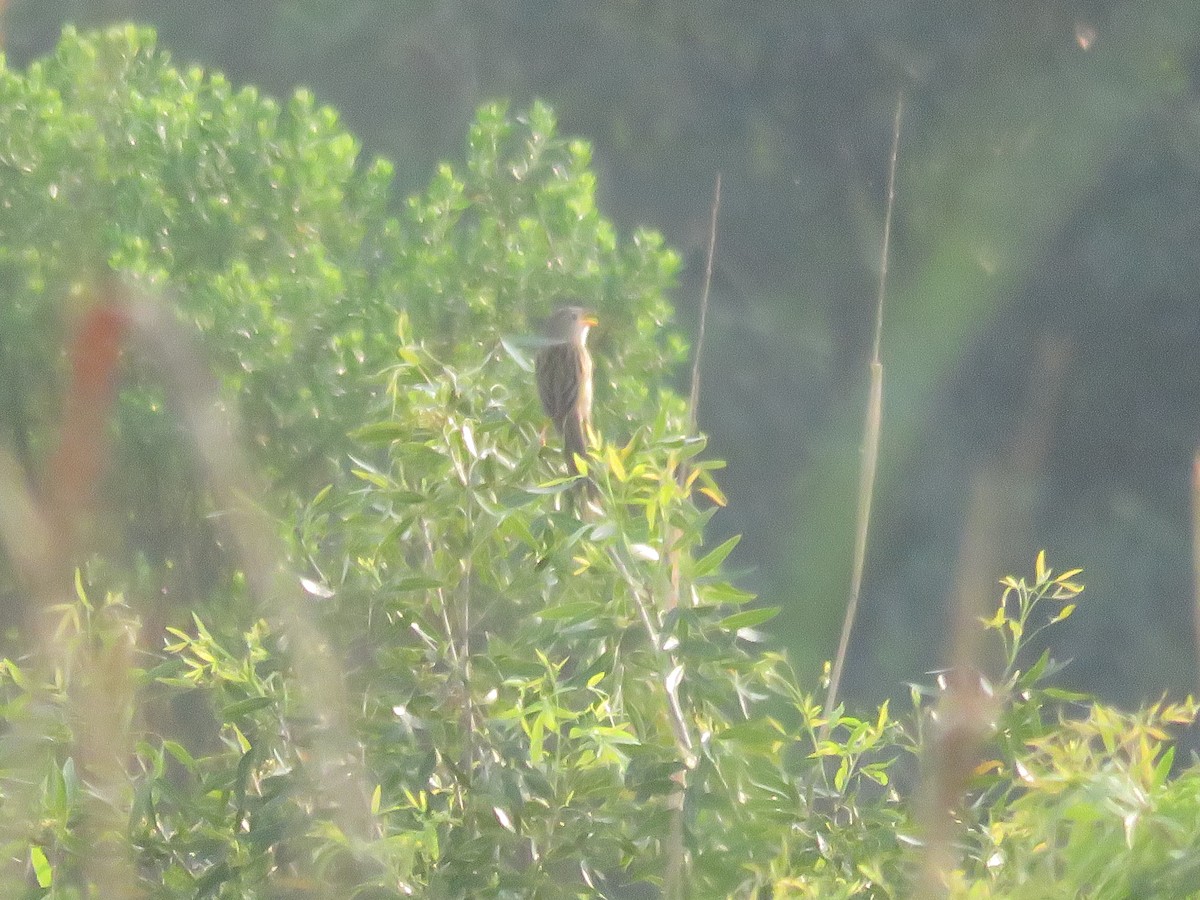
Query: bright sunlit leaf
x,y
41,866
1064,613
504,819
644,552
615,464
995,621
673,678
315,588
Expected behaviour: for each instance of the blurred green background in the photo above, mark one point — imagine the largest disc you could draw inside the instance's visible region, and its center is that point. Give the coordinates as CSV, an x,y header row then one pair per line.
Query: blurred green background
x,y
1042,317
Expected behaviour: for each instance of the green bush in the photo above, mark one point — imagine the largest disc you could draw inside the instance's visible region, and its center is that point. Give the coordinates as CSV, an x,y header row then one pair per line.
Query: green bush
x,y
451,681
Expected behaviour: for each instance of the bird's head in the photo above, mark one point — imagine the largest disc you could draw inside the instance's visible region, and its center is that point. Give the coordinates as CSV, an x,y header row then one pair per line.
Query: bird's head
x,y
570,323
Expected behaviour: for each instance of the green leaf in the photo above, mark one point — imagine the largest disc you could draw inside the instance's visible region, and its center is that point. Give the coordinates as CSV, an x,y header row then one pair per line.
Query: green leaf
x,y
578,609
708,563
181,754
842,775
749,618
382,432
760,735
41,866
722,592
555,486
70,781
513,347
415,583
370,477
537,733
16,674
1064,613
245,707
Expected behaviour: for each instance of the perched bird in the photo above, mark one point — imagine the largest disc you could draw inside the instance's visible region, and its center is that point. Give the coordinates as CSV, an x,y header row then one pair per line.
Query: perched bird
x,y
564,379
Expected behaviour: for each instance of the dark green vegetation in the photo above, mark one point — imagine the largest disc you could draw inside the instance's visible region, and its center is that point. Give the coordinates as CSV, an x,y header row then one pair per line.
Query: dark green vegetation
x,y
1042,300
380,656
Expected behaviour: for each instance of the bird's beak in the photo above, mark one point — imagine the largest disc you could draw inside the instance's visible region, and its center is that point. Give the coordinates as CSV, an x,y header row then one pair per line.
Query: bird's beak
x,y
590,320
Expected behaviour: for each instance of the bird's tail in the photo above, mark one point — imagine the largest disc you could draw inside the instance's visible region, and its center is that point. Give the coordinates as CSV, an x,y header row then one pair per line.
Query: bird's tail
x,y
575,441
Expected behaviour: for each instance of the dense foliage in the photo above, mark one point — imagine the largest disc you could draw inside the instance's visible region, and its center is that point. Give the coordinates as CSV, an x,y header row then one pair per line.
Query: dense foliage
x,y
1042,275
462,682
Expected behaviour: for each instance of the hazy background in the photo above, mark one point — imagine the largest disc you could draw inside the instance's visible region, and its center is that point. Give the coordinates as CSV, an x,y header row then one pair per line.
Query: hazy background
x,y
1043,309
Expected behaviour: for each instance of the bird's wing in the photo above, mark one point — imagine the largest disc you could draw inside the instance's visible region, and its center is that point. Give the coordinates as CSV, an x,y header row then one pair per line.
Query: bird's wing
x,y
558,382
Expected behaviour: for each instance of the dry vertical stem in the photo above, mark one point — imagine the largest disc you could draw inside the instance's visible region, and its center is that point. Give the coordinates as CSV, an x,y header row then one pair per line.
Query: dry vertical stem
x,y
43,532
967,708
102,703
1196,551
694,393
682,471
101,685
192,391
45,525
870,451
83,450
673,887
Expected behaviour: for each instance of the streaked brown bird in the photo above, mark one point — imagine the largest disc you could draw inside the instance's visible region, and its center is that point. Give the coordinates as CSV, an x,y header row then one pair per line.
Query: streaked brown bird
x,y
564,379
